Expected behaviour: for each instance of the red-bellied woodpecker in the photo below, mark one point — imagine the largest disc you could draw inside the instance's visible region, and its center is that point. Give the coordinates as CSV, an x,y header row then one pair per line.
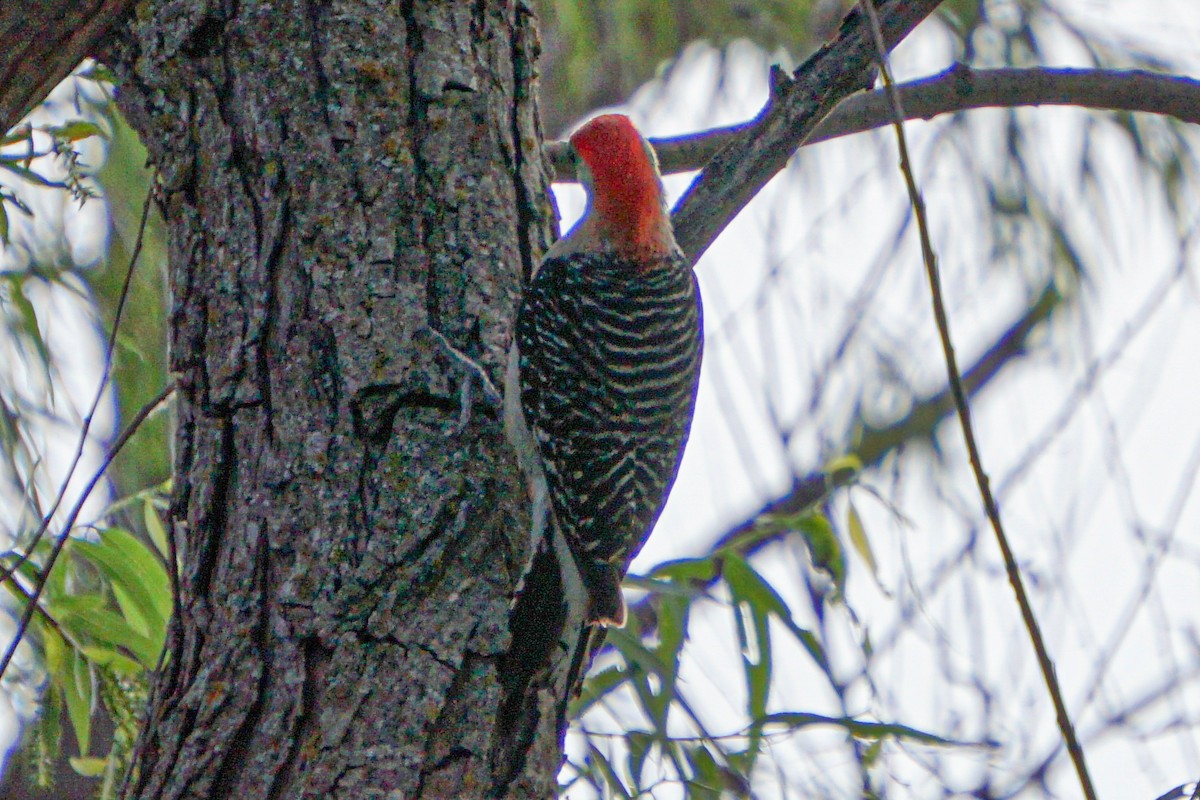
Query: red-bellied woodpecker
x,y
602,377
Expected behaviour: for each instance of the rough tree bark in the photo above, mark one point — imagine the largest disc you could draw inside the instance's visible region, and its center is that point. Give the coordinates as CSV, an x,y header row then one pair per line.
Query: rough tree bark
x,y
340,180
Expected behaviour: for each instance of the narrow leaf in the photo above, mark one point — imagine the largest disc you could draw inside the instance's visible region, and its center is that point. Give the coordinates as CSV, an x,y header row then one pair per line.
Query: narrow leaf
x,y
112,660
154,526
858,538
77,691
138,579
857,728
89,766
76,130
606,771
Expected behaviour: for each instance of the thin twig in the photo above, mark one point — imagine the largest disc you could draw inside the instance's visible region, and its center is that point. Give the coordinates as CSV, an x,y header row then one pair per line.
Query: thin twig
x,y
61,541
964,415
113,450
85,426
16,586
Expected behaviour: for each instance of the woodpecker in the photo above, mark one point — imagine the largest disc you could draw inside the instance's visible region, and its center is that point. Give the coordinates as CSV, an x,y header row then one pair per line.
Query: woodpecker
x,y
602,375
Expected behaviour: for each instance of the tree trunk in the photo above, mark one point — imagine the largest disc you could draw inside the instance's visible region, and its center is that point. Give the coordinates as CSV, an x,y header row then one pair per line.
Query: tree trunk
x,y
341,180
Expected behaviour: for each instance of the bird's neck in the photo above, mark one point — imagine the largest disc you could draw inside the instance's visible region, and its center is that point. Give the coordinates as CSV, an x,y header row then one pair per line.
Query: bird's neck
x,y
645,236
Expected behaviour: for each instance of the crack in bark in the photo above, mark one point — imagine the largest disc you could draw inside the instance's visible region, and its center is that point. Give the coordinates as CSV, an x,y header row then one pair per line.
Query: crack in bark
x,y
417,110
314,11
446,731
314,658
243,738
270,266
214,519
528,218
374,408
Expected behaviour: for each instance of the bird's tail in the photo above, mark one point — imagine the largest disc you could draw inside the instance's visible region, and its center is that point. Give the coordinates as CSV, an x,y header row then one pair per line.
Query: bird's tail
x,y
606,605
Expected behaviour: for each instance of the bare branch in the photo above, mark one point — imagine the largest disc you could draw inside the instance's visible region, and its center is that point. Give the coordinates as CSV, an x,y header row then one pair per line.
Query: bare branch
x,y
958,88
798,102
928,412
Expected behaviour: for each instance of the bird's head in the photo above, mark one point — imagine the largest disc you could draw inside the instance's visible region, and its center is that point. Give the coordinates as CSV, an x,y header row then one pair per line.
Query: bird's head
x,y
626,210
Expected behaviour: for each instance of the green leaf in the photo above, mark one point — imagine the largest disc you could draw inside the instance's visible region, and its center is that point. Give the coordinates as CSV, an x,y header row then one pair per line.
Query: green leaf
x,y
77,691
138,579
48,731
56,581
3,223
843,470
54,649
857,728
858,538
63,608
28,318
606,771
656,701
713,780
131,611
87,620
657,586
154,526
112,660
762,593
753,598
708,775
14,136
76,130
596,687
635,652
89,766
673,611
810,643
742,578
641,744
824,547
685,569
98,72
871,755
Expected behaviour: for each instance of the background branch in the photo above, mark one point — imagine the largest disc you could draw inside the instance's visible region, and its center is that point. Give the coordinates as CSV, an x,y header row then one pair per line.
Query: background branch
x,y
929,411
958,88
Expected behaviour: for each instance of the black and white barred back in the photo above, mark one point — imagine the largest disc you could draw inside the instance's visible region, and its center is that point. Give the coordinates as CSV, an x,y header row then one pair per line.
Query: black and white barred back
x,y
610,359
